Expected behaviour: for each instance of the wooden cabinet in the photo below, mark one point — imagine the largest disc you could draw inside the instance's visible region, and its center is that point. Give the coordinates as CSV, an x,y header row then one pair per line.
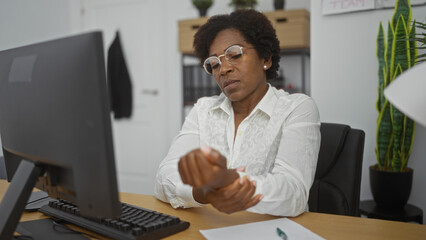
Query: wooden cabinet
x,y
292,28
187,30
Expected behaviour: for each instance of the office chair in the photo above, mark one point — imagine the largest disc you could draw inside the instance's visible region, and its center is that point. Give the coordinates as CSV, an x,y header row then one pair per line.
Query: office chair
x,y
336,187
2,169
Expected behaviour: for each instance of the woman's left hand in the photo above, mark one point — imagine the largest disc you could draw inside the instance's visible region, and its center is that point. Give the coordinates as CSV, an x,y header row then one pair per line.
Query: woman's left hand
x,y
235,197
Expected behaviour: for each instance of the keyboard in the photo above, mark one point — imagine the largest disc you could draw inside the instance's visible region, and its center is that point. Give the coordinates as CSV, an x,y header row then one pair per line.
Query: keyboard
x,y
134,223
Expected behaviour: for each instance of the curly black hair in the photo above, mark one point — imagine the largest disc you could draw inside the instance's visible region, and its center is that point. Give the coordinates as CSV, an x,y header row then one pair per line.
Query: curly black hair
x,y
254,27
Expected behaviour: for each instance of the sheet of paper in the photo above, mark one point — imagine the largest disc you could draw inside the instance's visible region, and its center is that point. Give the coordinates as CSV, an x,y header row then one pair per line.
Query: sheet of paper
x,y
262,230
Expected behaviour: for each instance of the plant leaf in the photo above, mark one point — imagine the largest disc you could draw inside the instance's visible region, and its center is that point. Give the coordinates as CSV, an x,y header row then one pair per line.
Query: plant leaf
x,y
408,139
381,45
400,48
412,44
421,55
388,50
397,129
421,25
402,7
384,136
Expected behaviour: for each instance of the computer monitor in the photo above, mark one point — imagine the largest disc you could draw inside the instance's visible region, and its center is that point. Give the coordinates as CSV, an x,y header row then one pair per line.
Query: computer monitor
x,y
55,127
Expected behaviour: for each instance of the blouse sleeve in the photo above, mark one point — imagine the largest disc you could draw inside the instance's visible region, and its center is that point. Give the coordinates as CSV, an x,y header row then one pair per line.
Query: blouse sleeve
x,y
286,187
169,186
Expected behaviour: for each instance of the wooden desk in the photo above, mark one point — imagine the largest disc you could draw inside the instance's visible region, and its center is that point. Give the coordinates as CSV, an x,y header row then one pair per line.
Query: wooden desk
x,y
326,225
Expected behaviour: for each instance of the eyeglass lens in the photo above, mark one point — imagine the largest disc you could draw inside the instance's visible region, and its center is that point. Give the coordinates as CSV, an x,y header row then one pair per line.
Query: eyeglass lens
x,y
232,55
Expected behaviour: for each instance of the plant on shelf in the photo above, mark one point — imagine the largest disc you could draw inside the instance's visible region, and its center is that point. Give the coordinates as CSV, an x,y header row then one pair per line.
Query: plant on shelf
x,y
396,52
243,4
279,4
202,6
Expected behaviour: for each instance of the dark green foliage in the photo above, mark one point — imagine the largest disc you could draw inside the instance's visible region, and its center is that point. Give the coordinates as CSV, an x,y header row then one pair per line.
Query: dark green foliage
x,y
420,37
241,4
202,4
396,54
382,65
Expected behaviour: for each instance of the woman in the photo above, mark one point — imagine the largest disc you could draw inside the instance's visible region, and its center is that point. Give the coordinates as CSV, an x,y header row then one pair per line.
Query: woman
x,y
253,147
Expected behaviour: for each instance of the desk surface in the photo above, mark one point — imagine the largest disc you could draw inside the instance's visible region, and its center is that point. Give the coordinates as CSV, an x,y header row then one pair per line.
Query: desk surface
x,y
326,225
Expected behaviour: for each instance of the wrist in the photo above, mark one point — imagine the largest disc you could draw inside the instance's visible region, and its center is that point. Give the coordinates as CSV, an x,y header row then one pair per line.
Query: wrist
x,y
199,194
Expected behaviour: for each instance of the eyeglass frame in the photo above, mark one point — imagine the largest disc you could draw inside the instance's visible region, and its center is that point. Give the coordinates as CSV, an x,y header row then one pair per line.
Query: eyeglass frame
x,y
224,55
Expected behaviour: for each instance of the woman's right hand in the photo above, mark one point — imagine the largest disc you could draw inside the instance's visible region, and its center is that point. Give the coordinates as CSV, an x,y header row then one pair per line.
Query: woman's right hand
x,y
205,167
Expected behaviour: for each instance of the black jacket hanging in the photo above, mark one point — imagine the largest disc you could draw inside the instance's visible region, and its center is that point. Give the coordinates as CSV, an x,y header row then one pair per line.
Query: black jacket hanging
x,y
119,81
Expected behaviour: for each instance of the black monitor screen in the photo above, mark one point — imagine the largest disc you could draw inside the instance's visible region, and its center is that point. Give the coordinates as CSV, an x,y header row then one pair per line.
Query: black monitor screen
x,y
55,113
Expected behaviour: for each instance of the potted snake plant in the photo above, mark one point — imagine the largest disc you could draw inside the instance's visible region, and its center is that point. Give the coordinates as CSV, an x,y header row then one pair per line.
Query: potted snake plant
x,y
390,178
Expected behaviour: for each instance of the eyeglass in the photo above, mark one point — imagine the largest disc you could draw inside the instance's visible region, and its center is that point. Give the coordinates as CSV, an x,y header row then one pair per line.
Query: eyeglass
x,y
232,55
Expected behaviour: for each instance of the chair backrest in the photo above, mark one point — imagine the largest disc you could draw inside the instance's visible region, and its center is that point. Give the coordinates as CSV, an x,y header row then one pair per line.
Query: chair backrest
x,y
336,188
2,168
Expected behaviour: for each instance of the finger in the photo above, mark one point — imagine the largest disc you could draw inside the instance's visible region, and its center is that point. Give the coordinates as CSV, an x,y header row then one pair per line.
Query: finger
x,y
234,203
214,175
187,168
245,192
216,200
245,198
229,191
241,200
195,171
222,198
231,208
206,169
255,200
182,171
240,207
203,162
213,156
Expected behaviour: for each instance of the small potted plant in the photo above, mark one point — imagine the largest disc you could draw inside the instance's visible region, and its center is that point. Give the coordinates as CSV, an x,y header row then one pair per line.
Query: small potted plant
x,y
390,178
279,4
202,6
243,4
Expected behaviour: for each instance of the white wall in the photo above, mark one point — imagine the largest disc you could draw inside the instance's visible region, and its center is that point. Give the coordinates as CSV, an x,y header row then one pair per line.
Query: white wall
x,y
23,22
344,83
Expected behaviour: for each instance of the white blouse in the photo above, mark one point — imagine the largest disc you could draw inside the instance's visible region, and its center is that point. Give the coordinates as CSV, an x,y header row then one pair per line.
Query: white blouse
x,y
278,144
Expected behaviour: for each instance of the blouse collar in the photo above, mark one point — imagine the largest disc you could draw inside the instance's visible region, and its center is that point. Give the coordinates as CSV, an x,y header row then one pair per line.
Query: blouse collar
x,y
265,105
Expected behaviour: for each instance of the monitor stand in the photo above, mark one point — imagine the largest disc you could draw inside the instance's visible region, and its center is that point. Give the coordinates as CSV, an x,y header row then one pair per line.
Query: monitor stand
x,y
16,197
